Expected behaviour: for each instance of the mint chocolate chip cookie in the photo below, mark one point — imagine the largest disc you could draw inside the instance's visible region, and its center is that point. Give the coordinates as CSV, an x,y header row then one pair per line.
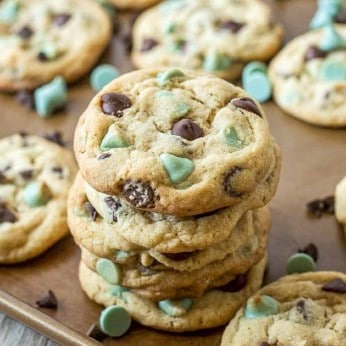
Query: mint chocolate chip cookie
x,y
340,202
175,142
42,39
35,176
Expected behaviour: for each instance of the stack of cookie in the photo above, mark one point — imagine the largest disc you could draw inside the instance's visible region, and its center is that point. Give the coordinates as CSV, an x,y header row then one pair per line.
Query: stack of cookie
x,y
176,168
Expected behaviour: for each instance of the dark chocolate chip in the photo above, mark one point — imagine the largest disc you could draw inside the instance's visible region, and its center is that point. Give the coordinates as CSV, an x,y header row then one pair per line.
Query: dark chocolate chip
x,y
319,207
114,104
148,44
6,215
48,300
264,343
91,210
57,170
96,333
55,137
146,271
61,19
26,174
113,206
26,98
310,250
301,308
335,286
180,256
25,32
314,52
104,156
232,26
227,182
248,104
187,129
235,285
341,17
138,193
42,57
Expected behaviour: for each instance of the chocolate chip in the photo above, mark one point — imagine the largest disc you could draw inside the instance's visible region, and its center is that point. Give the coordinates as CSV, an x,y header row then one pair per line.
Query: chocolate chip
x,y
55,137
57,170
91,210
26,174
319,207
113,206
6,215
96,333
25,32
235,285
232,26
248,104
138,193
148,44
310,250
146,271
42,57
48,300
180,256
301,308
341,17
26,98
335,286
187,129
314,52
227,182
104,156
61,19
114,104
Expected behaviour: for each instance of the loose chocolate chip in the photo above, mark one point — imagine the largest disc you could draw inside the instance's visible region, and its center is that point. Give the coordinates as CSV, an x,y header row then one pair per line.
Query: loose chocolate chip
x,y
42,57
227,182
96,333
232,26
91,210
248,104
114,104
48,300
6,215
235,285
264,343
61,19
310,250
314,52
104,156
25,32
26,174
319,207
148,44
114,206
180,256
335,286
26,98
341,17
55,137
187,129
138,193
146,271
301,308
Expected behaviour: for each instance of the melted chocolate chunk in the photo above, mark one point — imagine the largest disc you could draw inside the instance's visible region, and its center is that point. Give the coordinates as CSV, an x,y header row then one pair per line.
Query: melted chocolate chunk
x,y
26,98
227,182
180,256
27,174
96,333
319,207
341,17
42,57
6,215
48,300
146,271
335,286
55,137
187,129
310,250
235,285
114,104
91,210
301,309
232,26
61,19
148,44
248,104
314,52
114,206
138,193
25,32
104,156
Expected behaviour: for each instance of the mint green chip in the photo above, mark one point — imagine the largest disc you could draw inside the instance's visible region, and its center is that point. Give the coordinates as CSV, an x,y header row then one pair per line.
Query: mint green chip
x,y
102,75
231,136
258,86
109,271
260,306
117,291
175,307
115,321
36,194
300,263
320,19
333,71
254,66
214,61
169,28
113,139
50,97
164,77
331,40
330,6
108,7
177,168
9,12
49,50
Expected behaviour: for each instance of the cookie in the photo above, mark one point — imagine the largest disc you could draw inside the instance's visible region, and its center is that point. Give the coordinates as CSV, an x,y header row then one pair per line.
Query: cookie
x,y
217,37
340,202
309,77
174,142
35,176
42,39
132,4
302,309
213,309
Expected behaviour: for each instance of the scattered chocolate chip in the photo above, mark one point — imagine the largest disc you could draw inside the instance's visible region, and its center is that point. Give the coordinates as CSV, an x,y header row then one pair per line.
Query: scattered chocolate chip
x,y
301,308
232,26
146,271
6,215
264,343
310,250
104,156
113,206
148,44
91,210
138,193
55,137
61,19
341,17
48,300
25,32
96,333
187,129
26,174
314,52
319,207
227,182
248,104
335,286
42,57
114,104
180,256
26,98
235,285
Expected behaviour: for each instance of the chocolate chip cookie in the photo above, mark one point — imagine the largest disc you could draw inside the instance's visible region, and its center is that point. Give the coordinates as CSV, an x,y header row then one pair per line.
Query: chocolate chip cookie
x,y
340,203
